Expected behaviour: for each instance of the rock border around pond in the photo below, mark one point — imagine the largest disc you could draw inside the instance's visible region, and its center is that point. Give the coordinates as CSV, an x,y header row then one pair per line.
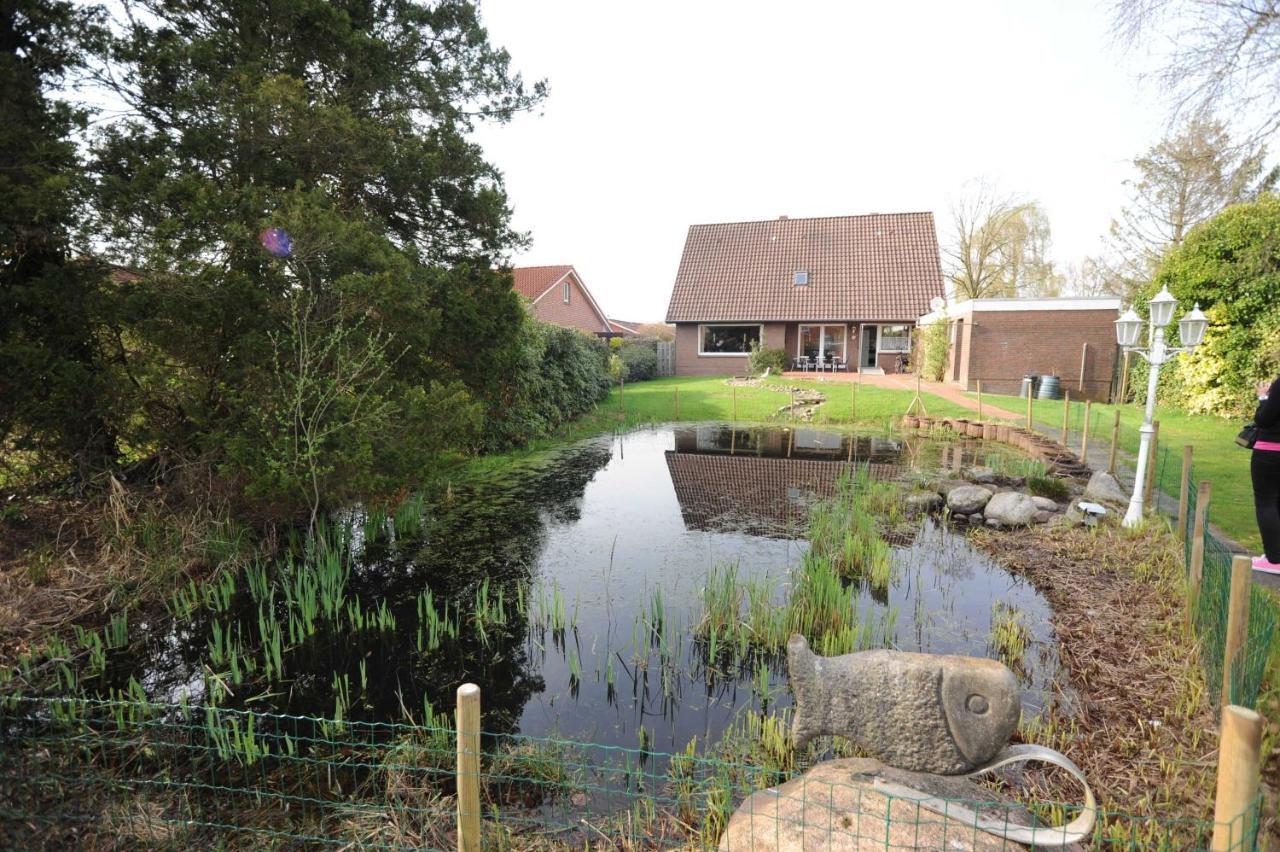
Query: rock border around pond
x,y
1058,459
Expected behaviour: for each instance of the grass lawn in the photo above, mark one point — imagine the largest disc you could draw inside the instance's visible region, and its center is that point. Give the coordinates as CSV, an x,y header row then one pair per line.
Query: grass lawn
x,y
713,398
1215,454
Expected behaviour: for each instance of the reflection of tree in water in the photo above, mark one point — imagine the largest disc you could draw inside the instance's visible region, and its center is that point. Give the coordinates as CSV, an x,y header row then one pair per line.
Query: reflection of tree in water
x,y
492,528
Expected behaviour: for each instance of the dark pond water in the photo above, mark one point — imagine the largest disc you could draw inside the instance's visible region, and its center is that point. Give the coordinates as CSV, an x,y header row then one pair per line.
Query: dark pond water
x,y
603,533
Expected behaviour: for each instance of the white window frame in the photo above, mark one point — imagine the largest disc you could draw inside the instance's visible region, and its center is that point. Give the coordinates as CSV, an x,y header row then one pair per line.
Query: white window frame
x,y
568,288
703,325
822,346
880,338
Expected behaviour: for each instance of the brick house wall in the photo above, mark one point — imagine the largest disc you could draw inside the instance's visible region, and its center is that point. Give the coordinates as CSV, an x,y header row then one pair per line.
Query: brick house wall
x,y
1000,347
689,363
578,313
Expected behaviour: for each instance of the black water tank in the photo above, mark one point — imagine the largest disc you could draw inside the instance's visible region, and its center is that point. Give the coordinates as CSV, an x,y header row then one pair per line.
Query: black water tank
x,y
1050,387
1029,382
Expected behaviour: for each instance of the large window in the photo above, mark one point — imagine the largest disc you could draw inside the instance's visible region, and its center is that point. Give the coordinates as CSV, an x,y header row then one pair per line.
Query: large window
x,y
895,338
728,339
822,342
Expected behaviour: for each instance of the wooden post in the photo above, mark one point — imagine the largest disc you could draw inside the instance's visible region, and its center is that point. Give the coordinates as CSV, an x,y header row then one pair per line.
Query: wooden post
x,y
468,776
1066,417
1153,455
735,402
1115,443
853,401
793,410
1030,394
1195,571
1184,493
677,402
1237,618
1084,358
1239,762
979,399
1124,378
622,391
1084,438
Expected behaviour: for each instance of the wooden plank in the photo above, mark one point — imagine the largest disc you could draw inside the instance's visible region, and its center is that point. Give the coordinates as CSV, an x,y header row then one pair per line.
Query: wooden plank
x,y
1239,762
1237,619
468,771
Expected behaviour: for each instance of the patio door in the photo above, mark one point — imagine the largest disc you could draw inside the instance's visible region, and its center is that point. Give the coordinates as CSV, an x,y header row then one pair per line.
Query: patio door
x,y
822,342
867,351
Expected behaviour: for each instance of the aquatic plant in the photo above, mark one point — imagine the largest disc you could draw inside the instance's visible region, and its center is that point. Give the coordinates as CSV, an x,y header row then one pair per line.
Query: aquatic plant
x,y
1010,637
1047,485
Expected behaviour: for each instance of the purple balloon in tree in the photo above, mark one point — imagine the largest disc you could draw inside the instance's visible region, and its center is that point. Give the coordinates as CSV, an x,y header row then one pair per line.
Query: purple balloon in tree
x,y
276,241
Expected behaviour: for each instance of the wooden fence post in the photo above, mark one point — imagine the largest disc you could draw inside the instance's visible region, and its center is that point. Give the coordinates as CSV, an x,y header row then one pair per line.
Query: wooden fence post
x,y
677,402
735,402
1195,571
1030,394
1066,417
853,401
1184,493
979,399
1115,444
1124,378
1237,618
1239,762
793,408
1153,457
1084,438
468,773
622,392
1084,359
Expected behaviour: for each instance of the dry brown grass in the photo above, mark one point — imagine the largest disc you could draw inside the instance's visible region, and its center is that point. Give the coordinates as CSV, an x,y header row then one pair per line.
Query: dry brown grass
x,y
1141,725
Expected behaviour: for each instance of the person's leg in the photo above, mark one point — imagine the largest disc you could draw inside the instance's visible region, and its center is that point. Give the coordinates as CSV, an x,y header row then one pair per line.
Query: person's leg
x,y
1265,470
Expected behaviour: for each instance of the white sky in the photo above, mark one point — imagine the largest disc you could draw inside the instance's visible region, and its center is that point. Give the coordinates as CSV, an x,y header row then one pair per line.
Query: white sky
x,y
665,114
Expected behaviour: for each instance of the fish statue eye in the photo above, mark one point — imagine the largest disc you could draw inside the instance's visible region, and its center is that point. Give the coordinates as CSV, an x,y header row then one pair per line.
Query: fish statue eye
x,y
977,704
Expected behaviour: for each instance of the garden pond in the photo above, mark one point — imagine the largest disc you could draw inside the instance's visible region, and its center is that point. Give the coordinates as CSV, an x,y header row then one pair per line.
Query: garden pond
x,y
570,587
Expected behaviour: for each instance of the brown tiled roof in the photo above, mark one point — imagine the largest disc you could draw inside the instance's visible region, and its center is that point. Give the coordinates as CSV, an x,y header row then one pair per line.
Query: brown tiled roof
x,y
533,281
874,267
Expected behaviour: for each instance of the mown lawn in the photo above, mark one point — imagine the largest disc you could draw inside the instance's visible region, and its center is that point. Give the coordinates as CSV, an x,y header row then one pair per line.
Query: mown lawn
x,y
713,398
1215,454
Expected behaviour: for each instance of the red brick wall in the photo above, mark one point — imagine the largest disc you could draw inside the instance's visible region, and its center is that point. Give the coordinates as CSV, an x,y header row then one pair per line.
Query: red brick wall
x,y
689,363
577,314
1002,346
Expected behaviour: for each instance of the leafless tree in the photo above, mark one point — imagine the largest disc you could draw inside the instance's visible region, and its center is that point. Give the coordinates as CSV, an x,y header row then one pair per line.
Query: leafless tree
x,y
1182,181
999,247
1222,55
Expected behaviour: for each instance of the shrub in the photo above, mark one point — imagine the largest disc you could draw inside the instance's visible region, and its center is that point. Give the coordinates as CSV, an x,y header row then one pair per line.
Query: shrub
x,y
933,344
641,359
1047,485
766,358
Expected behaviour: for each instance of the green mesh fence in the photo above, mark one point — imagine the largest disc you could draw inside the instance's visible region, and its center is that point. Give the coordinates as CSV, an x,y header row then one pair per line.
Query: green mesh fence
x,y
128,774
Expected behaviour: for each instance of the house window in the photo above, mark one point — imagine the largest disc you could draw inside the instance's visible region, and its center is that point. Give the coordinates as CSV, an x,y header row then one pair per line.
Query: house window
x,y
895,338
801,278
567,287
822,342
728,339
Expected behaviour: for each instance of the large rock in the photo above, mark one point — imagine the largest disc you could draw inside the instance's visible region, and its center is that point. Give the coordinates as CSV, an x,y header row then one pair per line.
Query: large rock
x,y
835,806
967,499
924,501
980,475
1044,504
1011,509
1105,488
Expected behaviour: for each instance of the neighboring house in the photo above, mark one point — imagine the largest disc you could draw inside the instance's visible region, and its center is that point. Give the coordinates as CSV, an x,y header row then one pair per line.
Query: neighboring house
x,y
558,296
998,341
843,291
621,328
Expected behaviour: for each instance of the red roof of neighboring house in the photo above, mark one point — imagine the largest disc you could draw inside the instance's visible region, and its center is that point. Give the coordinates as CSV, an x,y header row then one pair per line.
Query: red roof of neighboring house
x,y
624,327
533,281
878,266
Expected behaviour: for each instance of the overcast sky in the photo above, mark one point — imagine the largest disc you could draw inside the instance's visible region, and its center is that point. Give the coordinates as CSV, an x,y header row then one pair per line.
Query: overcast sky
x,y
666,114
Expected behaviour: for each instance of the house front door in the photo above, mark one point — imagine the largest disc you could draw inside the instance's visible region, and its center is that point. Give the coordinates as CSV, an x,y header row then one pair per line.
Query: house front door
x,y
867,351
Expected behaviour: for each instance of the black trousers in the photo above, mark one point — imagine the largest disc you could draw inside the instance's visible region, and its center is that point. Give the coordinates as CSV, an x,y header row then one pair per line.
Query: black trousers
x,y
1265,468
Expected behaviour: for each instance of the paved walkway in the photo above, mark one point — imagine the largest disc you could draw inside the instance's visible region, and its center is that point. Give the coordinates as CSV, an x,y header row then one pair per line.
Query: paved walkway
x,y
907,382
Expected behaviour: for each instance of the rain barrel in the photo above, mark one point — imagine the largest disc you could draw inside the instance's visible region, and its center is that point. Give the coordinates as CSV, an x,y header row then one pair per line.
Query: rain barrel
x,y
1050,387
1028,385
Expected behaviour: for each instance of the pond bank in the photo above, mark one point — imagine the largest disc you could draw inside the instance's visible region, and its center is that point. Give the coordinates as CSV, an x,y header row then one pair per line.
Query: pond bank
x,y
1141,724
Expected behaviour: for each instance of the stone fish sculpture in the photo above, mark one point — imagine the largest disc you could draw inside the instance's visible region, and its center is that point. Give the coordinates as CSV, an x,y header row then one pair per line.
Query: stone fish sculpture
x,y
946,715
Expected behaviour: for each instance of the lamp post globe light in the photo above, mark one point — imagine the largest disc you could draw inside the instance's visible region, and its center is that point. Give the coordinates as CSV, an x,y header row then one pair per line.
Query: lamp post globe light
x,y
1191,329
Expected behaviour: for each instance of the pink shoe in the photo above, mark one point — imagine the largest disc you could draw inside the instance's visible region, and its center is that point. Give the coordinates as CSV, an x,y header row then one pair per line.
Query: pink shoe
x,y
1260,563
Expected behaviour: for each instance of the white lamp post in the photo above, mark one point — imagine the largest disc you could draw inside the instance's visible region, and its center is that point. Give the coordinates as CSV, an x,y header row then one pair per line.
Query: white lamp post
x,y
1191,330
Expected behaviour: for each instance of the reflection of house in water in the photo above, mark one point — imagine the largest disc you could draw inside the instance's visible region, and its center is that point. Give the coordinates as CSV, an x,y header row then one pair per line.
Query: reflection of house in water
x,y
762,481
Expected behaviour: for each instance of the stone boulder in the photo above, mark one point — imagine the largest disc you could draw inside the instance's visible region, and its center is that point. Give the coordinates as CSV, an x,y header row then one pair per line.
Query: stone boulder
x,y
980,475
967,499
835,806
1011,509
1105,488
924,501
1044,504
